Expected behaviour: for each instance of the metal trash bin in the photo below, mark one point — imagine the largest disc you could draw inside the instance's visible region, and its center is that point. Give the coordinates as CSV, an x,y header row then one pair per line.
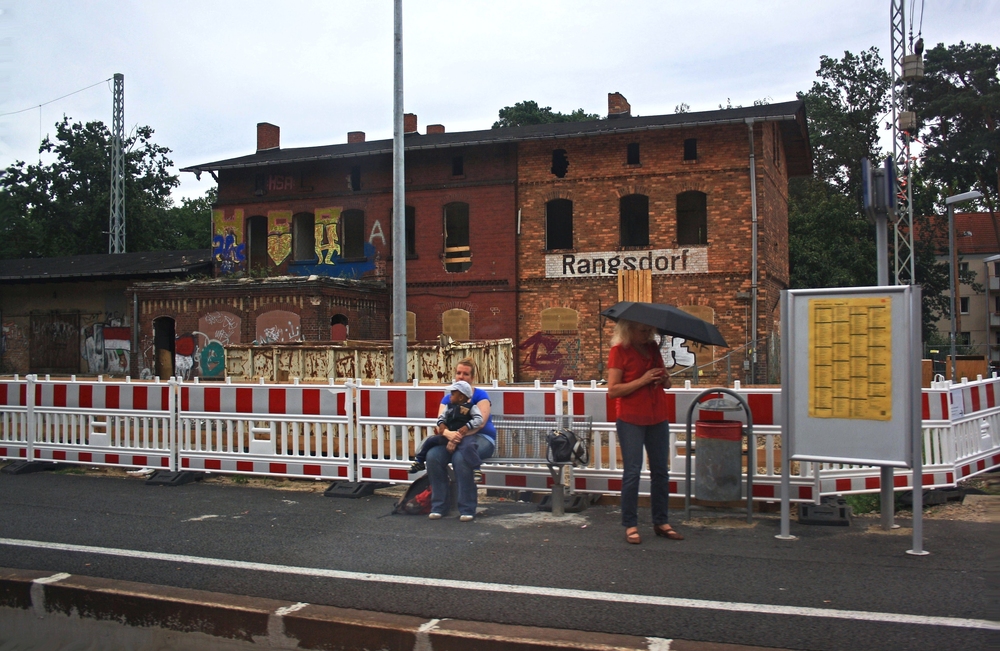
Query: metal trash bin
x,y
719,452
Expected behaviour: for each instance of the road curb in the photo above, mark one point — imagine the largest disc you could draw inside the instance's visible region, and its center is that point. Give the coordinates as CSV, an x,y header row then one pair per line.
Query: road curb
x,y
60,602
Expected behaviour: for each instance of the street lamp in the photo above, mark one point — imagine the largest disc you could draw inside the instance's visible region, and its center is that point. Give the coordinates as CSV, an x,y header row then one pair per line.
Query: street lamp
x,y
950,202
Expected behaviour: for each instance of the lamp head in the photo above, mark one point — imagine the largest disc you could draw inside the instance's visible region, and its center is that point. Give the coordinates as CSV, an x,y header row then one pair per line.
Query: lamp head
x,y
965,196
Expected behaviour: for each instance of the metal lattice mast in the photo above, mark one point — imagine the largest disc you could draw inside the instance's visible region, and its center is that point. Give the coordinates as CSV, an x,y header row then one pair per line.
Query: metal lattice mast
x,y
905,266
116,231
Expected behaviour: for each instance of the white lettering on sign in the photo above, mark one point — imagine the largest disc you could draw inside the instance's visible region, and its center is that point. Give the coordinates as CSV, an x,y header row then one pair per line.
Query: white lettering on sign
x,y
609,263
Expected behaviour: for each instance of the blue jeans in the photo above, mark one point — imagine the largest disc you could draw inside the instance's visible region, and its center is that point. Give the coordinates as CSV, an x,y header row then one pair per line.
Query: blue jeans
x,y
437,469
656,439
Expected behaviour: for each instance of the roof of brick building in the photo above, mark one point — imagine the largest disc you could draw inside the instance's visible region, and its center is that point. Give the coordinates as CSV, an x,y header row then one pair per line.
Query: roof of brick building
x,y
791,116
974,234
143,264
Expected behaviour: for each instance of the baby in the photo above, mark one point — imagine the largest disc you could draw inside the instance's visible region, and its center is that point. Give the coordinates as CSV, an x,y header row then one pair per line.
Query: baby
x,y
462,416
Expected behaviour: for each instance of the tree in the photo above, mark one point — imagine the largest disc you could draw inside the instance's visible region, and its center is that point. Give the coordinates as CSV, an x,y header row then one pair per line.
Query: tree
x,y
528,112
958,109
62,208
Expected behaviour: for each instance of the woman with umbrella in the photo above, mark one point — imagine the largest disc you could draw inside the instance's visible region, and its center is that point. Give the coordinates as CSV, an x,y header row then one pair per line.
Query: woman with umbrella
x,y
637,378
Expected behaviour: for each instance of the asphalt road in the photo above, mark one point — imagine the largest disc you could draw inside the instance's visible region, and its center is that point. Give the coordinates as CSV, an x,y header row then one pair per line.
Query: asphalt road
x,y
727,582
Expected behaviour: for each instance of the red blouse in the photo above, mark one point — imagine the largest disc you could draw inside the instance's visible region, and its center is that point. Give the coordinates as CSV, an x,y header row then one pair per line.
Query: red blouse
x,y
646,405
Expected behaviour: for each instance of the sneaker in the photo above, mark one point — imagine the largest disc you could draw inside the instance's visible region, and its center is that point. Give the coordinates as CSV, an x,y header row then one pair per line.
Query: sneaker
x,y
477,476
436,516
417,467
464,518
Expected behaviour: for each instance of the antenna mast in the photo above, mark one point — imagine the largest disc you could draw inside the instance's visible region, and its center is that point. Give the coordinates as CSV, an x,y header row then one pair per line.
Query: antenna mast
x,y
116,232
905,68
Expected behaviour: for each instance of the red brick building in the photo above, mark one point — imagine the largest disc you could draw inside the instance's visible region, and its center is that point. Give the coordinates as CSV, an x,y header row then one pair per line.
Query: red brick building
x,y
529,232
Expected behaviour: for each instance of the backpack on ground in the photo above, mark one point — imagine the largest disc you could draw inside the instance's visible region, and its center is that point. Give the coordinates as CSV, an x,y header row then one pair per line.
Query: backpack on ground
x,y
417,499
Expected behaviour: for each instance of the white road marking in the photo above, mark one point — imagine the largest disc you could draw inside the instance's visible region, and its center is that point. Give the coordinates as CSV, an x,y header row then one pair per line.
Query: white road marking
x,y
52,579
506,588
286,610
200,518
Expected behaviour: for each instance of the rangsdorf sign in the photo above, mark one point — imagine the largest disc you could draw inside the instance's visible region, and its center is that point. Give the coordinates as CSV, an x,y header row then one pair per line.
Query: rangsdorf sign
x,y
609,263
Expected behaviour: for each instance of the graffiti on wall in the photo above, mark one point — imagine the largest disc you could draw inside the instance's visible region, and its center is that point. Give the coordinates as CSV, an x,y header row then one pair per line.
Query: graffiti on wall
x,y
216,330
279,235
105,348
327,241
278,327
554,356
228,247
679,352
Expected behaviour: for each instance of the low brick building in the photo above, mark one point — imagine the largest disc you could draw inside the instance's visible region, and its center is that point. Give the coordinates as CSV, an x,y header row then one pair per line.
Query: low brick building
x,y
528,232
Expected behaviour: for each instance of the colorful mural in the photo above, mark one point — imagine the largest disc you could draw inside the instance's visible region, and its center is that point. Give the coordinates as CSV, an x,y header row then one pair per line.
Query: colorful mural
x,y
279,235
216,329
228,247
327,241
105,347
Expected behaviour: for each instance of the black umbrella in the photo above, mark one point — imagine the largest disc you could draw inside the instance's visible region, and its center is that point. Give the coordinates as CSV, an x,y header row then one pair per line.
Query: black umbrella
x,y
668,320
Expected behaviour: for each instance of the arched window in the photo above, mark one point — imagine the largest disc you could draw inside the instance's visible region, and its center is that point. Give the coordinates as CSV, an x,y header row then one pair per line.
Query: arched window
x,y
560,319
455,324
692,218
457,254
633,211
339,328
352,235
559,224
257,243
303,237
277,327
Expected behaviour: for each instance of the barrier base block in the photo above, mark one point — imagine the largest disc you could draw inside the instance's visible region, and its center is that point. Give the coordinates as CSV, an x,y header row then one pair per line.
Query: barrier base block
x,y
832,511
572,503
352,489
24,467
167,478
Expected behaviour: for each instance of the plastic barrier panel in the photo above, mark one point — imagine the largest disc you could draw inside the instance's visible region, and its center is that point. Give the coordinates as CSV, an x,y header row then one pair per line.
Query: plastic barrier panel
x,y
14,419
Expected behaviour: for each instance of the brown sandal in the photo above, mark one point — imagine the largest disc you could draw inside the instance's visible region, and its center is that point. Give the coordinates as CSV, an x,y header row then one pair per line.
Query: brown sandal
x,y
667,532
632,536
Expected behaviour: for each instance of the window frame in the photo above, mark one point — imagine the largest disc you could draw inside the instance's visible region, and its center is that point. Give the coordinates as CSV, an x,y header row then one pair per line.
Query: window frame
x,y
455,247
568,226
634,223
343,225
298,256
690,219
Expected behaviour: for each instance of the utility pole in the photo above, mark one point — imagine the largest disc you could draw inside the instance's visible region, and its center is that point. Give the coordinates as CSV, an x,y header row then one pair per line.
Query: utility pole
x,y
398,205
116,227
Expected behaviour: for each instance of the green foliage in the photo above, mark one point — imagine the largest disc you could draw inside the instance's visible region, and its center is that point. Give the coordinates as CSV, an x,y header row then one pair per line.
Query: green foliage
x,y
528,112
62,208
864,503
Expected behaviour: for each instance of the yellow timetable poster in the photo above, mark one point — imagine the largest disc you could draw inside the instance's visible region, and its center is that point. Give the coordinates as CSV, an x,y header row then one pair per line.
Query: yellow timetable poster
x,y
850,358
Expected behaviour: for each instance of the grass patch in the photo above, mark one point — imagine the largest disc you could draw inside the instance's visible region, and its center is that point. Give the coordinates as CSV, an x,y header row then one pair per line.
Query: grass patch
x,y
240,479
864,503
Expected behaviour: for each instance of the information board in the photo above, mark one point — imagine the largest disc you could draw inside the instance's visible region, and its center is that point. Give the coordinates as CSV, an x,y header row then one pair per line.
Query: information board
x,y
851,374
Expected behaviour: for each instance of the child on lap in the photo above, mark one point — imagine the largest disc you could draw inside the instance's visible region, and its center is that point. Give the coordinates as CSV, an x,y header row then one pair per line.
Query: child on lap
x,y
461,416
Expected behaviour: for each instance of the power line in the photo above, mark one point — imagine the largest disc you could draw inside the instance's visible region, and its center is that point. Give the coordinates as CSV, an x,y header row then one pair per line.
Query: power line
x,y
38,106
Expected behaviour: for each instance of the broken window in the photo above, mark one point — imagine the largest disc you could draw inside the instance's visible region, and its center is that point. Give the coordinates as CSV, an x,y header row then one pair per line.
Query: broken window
x,y
632,154
457,254
257,244
633,210
355,178
692,218
457,166
559,162
691,149
352,235
559,224
304,237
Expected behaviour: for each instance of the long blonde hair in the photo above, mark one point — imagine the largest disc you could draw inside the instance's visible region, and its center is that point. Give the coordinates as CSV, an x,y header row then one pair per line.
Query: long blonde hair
x,y
470,363
626,335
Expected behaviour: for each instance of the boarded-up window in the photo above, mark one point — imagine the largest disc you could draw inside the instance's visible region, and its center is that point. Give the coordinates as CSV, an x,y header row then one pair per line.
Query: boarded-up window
x,y
352,235
278,327
559,319
634,217
635,285
339,328
559,224
411,326
455,324
692,218
304,237
457,254
54,346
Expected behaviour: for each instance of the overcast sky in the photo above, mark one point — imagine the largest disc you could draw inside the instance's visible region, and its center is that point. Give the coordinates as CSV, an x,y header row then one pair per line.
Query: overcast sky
x,y
202,73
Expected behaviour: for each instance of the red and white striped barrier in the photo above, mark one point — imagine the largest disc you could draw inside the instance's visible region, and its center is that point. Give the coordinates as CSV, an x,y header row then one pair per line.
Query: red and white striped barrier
x,y
392,423
14,439
304,431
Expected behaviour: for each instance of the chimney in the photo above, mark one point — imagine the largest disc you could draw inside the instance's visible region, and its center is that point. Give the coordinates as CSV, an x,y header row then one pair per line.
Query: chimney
x,y
355,136
618,106
409,122
435,128
268,136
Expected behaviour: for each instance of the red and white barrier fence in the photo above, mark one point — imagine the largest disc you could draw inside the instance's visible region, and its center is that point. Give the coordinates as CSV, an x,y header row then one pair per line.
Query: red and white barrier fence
x,y
370,433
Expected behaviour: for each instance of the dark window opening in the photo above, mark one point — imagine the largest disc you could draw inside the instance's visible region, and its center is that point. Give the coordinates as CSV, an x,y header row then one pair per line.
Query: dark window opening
x,y
634,214
352,235
560,164
457,254
632,154
692,218
457,166
163,347
259,185
691,149
355,178
257,244
411,231
559,224
963,304
304,237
